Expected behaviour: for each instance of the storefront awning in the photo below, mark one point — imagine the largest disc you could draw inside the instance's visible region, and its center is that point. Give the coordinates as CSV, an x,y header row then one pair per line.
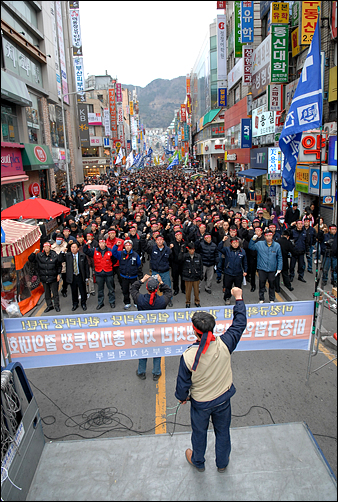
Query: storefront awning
x,y
14,179
17,237
208,117
36,157
252,173
14,90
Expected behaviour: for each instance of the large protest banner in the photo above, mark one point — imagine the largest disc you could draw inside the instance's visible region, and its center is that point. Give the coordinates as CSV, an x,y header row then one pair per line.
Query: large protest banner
x,y
38,342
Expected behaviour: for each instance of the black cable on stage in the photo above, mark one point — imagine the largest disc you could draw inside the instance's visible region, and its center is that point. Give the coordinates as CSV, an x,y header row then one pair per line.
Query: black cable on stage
x,y
94,420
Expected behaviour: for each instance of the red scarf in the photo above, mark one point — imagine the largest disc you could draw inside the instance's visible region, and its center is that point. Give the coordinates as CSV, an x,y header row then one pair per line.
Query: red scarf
x,y
204,343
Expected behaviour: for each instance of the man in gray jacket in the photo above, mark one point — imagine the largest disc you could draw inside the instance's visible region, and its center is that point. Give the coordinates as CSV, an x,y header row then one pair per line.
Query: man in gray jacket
x,y
269,263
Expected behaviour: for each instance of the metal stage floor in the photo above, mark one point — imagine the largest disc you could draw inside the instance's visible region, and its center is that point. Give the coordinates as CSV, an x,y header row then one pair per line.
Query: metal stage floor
x,y
270,462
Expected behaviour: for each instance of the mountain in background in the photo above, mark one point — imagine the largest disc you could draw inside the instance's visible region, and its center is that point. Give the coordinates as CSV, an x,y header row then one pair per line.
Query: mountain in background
x,y
159,100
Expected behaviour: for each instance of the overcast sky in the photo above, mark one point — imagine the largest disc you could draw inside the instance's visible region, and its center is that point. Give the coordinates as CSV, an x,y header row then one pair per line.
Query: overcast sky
x,y
138,42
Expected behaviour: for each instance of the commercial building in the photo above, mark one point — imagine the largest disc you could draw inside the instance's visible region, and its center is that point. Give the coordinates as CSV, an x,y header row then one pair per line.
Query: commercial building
x,y
36,69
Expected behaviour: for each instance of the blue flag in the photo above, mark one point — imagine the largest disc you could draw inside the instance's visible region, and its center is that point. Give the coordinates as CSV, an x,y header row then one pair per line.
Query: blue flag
x,y
305,112
174,162
167,151
136,160
140,165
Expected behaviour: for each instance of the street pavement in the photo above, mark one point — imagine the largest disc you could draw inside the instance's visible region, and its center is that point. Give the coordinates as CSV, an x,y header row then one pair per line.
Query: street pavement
x,y
271,385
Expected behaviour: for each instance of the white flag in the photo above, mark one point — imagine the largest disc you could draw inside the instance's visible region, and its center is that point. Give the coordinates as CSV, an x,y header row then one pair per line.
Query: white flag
x,y
130,160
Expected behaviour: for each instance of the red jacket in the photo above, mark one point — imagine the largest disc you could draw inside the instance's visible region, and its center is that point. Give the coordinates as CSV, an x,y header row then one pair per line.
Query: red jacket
x,y
111,243
103,263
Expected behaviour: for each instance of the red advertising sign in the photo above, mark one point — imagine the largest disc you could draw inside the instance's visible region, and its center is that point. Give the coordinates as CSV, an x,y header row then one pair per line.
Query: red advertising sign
x,y
188,85
221,5
112,112
11,162
40,154
34,189
247,59
188,107
334,20
311,147
183,114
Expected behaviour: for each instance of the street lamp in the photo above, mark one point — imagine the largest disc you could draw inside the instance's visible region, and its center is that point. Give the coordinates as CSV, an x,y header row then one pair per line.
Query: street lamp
x,y
65,132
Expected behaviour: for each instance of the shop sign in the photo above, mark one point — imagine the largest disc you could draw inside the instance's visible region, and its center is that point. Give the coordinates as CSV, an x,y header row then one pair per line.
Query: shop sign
x,y
112,111
21,64
76,32
326,187
247,23
106,143
118,92
95,141
94,119
309,148
328,199
221,48
34,189
131,108
79,79
295,47
106,122
40,154
295,14
83,125
247,62
302,179
119,113
235,74
187,84
279,13
279,53
272,191
222,97
238,34
11,162
264,8
275,97
231,157
277,181
334,20
262,123
290,90
332,160
63,73
275,160
183,113
309,20
333,84
221,5
259,158
246,133
261,67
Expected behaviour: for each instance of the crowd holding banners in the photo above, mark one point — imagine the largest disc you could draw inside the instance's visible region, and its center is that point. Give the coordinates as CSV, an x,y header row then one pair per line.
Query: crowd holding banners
x,y
115,336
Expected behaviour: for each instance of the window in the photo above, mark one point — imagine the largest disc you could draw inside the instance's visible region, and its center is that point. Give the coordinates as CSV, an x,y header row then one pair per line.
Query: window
x,y
11,194
56,125
34,122
9,123
26,10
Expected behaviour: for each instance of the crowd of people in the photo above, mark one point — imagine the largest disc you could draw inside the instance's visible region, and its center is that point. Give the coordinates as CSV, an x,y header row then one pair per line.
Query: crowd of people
x,y
183,230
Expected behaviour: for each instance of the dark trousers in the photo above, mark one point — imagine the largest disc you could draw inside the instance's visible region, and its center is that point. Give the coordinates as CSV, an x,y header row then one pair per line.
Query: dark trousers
x,y
126,283
221,419
228,281
263,277
286,280
116,271
252,267
78,285
64,283
51,287
176,272
101,280
301,265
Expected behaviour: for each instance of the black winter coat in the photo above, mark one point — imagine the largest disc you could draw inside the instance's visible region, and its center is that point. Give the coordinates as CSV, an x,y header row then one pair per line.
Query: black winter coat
x,y
192,266
82,263
286,248
209,252
49,266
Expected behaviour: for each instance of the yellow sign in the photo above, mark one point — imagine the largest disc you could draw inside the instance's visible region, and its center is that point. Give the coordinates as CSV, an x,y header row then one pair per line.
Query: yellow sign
x,y
333,84
295,193
309,21
294,42
276,182
131,108
279,13
302,175
225,155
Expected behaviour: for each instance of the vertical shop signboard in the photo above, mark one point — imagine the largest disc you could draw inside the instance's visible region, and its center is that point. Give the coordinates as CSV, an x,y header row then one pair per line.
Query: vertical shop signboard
x,y
64,82
112,111
279,13
221,48
279,54
275,97
238,33
309,16
246,133
295,14
56,51
83,125
247,23
183,113
247,61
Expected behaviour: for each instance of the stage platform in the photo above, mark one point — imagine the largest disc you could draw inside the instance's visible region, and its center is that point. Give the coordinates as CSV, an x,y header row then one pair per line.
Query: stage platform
x,y
271,462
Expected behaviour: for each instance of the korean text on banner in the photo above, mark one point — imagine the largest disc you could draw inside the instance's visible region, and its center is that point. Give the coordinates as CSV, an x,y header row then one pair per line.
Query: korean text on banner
x,y
221,48
305,112
247,23
80,339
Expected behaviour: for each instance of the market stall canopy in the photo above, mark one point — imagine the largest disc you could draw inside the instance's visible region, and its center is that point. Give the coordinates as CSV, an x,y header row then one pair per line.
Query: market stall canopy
x,y
36,157
89,188
34,208
16,237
